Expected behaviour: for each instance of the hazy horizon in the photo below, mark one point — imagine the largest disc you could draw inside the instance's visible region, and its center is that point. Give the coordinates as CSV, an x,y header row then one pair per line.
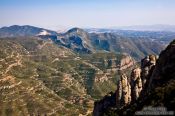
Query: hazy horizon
x,y
58,14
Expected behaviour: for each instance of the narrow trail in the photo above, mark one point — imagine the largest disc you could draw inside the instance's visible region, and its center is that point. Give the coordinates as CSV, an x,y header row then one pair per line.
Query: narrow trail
x,y
17,63
45,43
92,66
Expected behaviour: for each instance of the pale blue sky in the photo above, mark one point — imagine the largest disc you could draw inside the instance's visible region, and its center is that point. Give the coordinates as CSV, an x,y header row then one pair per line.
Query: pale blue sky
x,y
55,14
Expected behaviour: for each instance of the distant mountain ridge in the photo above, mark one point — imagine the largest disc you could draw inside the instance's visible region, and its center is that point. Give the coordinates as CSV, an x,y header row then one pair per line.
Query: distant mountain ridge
x,y
25,30
135,43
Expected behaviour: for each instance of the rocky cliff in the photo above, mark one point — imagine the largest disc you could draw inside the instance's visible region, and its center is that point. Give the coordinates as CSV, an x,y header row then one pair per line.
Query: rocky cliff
x,y
150,85
126,62
113,65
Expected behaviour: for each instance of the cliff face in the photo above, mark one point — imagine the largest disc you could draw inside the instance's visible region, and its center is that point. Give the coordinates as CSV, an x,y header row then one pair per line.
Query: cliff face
x,y
126,62
151,85
114,65
128,88
165,67
147,67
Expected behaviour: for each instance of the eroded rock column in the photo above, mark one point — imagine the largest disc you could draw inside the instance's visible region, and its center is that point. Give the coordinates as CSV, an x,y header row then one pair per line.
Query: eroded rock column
x,y
123,93
136,83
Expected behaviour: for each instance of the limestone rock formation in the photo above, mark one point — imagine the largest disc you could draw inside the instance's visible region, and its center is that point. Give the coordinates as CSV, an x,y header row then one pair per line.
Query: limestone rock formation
x,y
111,64
101,78
155,80
136,83
123,93
147,67
126,62
160,83
129,89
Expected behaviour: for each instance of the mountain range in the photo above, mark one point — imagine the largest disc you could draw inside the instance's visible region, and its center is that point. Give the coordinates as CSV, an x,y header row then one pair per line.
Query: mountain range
x,y
135,43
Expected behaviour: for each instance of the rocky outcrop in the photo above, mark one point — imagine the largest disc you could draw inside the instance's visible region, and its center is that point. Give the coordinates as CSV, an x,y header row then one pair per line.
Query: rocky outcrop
x,y
126,62
123,93
159,87
133,87
129,89
111,65
114,65
147,67
76,39
101,78
152,85
165,67
136,84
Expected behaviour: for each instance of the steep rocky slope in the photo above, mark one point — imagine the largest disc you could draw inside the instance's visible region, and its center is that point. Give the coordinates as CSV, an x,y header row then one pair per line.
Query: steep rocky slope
x,y
76,39
83,42
152,85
